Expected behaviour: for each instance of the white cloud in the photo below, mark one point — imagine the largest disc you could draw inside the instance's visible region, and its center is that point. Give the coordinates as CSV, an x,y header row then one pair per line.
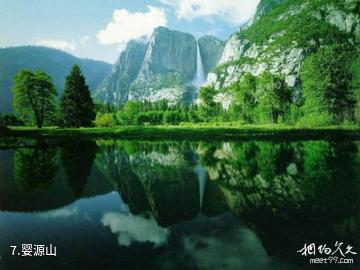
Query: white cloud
x,y
131,229
127,26
57,44
234,11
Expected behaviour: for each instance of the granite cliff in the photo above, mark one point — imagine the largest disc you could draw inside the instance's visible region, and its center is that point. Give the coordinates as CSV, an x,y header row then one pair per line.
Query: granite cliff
x,y
163,68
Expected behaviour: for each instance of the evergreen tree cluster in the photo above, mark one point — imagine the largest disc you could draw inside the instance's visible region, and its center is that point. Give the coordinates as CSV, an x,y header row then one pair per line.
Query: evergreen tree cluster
x,y
35,100
265,99
157,113
329,90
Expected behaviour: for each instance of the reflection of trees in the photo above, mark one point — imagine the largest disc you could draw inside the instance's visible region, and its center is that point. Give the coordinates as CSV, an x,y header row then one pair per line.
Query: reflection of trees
x,y
77,159
332,169
255,174
260,174
288,192
279,188
35,168
332,182
278,178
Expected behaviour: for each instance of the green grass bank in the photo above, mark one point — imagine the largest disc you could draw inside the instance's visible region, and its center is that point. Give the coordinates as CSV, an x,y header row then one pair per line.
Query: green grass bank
x,y
191,132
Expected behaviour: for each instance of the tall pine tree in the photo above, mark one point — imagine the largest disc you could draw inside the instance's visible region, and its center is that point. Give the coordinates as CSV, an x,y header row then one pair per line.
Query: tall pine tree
x,y
77,106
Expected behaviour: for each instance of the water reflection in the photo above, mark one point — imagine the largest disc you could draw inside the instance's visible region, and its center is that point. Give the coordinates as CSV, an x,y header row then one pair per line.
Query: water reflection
x,y
35,168
47,175
77,159
130,228
182,205
220,243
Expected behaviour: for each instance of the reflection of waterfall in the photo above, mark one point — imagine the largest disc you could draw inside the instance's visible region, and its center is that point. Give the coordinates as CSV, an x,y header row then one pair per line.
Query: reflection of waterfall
x,y
201,174
199,78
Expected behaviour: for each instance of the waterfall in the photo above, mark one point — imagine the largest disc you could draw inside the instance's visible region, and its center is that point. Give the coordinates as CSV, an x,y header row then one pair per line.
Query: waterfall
x,y
199,78
201,174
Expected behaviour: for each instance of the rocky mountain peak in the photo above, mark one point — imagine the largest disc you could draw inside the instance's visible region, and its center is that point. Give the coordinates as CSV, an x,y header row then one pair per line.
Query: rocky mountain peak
x,y
171,51
115,87
161,69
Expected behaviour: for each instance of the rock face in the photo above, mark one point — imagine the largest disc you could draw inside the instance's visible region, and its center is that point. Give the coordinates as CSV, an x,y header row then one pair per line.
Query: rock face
x,y
170,51
169,63
163,184
164,68
115,88
211,50
295,32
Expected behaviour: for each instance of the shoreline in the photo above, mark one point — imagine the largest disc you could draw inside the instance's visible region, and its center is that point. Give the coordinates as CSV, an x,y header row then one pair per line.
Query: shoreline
x,y
189,132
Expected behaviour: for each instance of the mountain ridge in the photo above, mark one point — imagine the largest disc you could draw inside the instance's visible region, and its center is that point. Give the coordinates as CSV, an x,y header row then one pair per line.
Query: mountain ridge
x,y
55,62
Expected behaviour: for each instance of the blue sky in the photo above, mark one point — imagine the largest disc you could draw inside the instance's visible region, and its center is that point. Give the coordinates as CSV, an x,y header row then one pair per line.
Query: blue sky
x,y
100,29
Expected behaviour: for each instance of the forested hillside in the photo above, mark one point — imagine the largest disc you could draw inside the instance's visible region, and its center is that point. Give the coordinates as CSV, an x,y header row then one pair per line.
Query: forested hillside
x,y
297,61
56,63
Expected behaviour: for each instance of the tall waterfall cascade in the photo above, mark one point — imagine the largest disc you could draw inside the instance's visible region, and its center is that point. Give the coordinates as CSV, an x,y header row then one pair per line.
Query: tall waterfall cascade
x,y
200,77
201,174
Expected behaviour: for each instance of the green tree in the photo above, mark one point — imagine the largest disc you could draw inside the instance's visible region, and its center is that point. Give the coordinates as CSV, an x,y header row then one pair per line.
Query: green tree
x,y
193,114
34,96
105,120
151,117
244,93
77,106
274,97
2,125
325,77
10,120
172,117
129,113
208,106
355,86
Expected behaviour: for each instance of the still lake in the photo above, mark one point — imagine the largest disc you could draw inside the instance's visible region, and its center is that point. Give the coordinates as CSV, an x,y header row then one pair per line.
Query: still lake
x,y
116,204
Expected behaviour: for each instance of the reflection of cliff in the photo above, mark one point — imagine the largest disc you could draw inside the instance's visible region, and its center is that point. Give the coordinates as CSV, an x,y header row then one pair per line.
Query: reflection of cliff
x,y
274,188
288,193
162,182
44,177
114,164
170,185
